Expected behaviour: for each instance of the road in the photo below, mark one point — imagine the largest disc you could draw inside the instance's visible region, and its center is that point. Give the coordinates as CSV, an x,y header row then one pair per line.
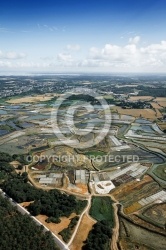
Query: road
x,y
80,219
23,211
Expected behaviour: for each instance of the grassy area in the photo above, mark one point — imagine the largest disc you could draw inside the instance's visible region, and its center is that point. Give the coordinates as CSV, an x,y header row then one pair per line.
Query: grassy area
x,y
102,209
160,172
7,128
108,97
38,149
94,153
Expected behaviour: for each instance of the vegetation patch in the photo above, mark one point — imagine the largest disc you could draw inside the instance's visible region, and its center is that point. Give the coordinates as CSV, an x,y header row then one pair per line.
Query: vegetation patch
x,y
66,233
160,172
19,231
99,237
102,209
52,203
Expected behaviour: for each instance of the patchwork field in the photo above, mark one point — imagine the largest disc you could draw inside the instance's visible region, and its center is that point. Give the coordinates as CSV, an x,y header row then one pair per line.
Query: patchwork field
x,y
133,191
30,99
162,125
153,144
130,200
155,105
145,113
161,101
135,237
160,172
156,213
126,244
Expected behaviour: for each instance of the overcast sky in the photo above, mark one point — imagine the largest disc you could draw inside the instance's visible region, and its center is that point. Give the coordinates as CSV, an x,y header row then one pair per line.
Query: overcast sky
x,y
83,36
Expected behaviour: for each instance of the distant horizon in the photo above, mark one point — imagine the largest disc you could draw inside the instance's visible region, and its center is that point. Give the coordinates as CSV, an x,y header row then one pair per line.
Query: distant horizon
x,y
28,73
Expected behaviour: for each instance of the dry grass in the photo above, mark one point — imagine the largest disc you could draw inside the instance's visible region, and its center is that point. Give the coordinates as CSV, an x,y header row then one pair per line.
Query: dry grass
x,y
142,98
161,101
158,114
30,99
53,227
155,105
82,233
26,203
15,164
162,125
133,208
127,188
162,104
126,244
145,113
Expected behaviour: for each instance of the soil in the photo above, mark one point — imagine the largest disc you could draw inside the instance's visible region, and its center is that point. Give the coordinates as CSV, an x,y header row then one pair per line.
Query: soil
x,y
82,233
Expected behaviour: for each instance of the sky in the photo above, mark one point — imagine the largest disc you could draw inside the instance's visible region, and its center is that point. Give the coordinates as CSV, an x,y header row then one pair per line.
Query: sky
x,y
83,36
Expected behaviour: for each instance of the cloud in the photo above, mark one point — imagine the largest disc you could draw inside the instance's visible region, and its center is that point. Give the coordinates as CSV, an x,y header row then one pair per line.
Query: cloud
x,y
134,40
66,57
75,47
12,55
130,56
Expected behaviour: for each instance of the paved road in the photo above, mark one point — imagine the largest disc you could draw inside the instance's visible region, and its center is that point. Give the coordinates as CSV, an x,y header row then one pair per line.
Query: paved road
x,y
23,211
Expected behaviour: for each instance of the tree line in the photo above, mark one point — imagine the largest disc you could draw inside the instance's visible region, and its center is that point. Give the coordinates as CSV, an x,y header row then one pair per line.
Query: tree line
x,y
99,237
52,203
20,232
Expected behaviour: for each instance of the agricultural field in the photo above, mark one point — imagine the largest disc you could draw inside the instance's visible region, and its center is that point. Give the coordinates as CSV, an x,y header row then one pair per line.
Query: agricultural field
x,y
127,244
160,171
161,101
162,125
153,144
94,153
155,105
122,191
156,214
135,236
102,209
96,173
140,98
137,194
30,99
145,113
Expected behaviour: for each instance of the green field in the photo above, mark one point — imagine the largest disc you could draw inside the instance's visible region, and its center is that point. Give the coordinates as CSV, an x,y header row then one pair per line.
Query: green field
x,y
94,153
102,209
160,172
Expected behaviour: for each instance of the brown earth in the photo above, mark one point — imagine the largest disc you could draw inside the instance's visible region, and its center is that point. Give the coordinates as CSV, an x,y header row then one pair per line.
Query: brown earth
x,y
82,233
53,227
155,105
162,125
26,203
161,101
125,189
30,99
145,113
